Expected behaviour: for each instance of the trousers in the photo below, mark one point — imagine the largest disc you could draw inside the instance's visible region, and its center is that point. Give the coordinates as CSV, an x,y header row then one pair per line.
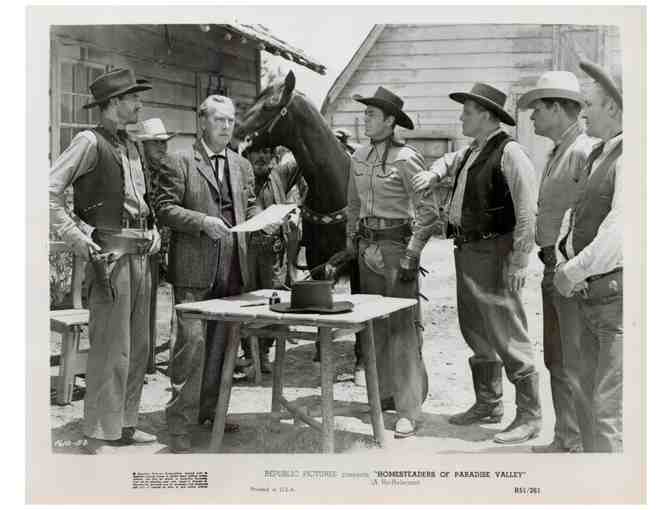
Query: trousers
x,y
492,319
562,358
398,341
198,355
602,374
119,351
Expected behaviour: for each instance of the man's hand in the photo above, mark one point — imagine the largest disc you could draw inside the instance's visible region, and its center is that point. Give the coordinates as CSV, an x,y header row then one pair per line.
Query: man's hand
x,y
84,245
514,275
409,265
340,258
214,227
423,181
564,285
156,241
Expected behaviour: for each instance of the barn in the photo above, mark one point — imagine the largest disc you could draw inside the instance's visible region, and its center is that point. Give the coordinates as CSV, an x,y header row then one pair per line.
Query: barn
x,y
185,63
424,63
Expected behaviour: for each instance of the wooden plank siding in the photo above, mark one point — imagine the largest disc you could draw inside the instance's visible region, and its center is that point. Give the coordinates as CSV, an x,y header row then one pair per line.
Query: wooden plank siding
x,y
425,63
178,65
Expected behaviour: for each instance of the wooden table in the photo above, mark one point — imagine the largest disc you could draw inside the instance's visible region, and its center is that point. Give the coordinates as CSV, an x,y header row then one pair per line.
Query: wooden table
x,y
325,328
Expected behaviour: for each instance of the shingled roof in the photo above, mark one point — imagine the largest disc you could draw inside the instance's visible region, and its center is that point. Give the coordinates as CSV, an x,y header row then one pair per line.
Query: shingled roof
x,y
268,42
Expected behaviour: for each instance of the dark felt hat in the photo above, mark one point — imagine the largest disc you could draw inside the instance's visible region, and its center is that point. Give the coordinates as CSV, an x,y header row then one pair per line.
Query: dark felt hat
x,y
115,83
488,97
390,103
312,296
606,81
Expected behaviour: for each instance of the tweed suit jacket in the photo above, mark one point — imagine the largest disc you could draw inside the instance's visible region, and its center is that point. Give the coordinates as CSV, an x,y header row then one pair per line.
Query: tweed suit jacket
x,y
188,192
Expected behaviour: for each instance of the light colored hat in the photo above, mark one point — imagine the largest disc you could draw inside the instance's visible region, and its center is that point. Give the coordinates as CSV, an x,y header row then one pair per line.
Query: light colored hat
x,y
153,129
553,84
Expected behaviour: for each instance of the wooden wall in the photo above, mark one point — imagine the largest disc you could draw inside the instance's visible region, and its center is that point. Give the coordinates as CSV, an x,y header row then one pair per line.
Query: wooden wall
x,y
178,63
424,63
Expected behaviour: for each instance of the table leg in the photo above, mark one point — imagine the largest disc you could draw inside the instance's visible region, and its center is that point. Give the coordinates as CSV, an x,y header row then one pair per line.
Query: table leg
x,y
327,373
372,384
278,369
230,355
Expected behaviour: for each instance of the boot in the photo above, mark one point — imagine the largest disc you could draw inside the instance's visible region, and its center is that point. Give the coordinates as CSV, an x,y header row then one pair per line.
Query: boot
x,y
527,423
487,380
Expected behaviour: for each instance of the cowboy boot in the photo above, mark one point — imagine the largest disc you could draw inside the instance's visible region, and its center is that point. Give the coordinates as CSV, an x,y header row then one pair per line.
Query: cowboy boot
x,y
527,423
487,380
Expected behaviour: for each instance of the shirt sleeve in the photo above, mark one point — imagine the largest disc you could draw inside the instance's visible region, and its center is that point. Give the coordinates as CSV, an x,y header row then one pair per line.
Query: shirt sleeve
x,y
426,208
604,253
521,178
564,229
354,203
447,165
77,160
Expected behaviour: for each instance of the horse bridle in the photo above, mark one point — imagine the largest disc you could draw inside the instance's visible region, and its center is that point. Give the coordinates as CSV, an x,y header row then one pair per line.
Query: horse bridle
x,y
268,127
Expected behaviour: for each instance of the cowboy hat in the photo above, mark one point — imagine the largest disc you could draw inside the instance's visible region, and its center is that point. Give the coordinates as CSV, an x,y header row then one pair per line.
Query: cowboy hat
x,y
601,76
153,129
312,296
555,85
488,97
390,103
113,84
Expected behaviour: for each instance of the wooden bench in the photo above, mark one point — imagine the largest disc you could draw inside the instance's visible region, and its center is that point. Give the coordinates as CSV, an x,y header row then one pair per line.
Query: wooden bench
x,y
69,323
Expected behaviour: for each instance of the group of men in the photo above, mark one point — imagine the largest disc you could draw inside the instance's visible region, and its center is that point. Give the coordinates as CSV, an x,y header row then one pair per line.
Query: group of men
x,y
495,212
492,217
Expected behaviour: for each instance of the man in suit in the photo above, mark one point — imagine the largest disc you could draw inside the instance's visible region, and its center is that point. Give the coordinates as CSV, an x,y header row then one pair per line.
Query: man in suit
x,y
207,190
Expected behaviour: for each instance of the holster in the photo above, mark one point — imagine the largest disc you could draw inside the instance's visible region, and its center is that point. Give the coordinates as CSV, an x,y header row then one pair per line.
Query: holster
x,y
102,269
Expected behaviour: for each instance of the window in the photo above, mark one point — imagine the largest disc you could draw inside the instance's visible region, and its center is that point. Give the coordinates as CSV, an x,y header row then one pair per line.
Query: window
x,y
75,76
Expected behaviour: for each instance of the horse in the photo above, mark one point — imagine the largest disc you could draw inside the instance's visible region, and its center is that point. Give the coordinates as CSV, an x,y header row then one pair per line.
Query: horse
x,y
284,116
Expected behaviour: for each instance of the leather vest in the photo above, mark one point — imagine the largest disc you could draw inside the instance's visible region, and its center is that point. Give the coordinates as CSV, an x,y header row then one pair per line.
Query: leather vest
x,y
487,206
593,201
99,194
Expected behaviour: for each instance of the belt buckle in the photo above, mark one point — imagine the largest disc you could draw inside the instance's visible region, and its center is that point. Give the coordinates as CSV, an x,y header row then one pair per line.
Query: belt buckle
x,y
488,235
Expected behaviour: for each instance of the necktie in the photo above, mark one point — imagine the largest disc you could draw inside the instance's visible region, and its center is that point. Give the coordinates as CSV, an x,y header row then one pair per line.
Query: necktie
x,y
216,159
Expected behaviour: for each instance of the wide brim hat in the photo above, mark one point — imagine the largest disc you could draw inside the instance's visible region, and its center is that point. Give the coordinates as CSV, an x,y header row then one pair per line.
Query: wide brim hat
x,y
601,76
338,307
553,85
153,130
390,103
113,84
488,97
312,296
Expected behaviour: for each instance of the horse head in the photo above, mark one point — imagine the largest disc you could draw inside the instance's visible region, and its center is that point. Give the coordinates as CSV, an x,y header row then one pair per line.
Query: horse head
x,y
257,124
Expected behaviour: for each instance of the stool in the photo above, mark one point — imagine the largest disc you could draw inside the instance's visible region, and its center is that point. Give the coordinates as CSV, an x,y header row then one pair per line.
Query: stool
x,y
69,323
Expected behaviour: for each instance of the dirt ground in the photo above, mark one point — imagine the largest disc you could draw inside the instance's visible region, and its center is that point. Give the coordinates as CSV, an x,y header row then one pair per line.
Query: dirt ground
x,y
450,388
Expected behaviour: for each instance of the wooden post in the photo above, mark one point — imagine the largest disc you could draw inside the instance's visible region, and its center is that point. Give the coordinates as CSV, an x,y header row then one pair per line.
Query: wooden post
x,y
66,372
230,355
372,389
326,372
278,368
256,359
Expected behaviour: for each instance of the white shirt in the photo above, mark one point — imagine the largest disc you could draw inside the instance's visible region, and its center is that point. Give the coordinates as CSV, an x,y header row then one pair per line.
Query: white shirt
x,y
211,153
605,251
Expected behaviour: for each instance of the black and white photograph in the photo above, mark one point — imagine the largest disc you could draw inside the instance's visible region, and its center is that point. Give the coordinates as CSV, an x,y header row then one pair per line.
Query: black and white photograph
x,y
331,251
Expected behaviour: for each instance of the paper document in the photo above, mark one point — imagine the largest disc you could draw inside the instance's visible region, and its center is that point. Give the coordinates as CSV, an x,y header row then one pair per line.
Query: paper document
x,y
270,216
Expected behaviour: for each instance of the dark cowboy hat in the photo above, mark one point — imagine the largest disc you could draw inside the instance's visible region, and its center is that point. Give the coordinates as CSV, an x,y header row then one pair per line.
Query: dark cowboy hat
x,y
312,296
115,83
488,97
607,82
390,103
